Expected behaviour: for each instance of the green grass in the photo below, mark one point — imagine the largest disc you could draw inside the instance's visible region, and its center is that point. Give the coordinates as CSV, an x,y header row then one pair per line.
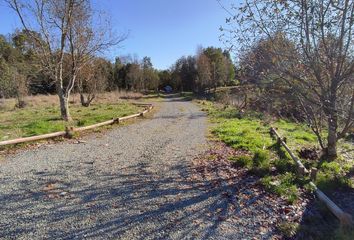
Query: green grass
x,y
330,177
283,185
242,161
298,134
249,131
33,121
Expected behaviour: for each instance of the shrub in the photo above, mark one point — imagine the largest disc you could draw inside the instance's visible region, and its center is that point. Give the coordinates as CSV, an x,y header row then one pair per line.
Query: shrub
x,y
282,185
330,177
284,165
344,233
261,158
81,123
289,229
242,161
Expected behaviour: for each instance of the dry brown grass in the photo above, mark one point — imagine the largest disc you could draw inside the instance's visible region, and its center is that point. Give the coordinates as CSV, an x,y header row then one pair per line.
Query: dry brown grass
x,y
52,100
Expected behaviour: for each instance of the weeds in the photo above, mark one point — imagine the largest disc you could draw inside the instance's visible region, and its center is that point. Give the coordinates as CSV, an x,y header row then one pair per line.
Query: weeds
x,y
242,161
261,162
289,229
331,176
268,159
282,185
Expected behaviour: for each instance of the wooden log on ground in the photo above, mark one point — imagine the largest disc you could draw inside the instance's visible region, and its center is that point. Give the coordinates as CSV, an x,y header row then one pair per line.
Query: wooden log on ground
x,y
144,112
110,122
129,117
297,161
301,170
70,130
34,138
141,104
344,218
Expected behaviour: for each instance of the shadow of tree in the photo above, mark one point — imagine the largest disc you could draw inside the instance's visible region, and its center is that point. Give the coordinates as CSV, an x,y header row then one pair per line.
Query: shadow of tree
x,y
132,202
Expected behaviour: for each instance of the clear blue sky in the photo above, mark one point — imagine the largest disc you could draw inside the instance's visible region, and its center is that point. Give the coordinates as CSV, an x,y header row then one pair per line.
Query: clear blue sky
x,y
161,29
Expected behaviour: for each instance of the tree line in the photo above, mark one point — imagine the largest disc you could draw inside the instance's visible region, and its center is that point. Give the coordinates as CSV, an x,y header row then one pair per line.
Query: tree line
x,y
210,68
21,73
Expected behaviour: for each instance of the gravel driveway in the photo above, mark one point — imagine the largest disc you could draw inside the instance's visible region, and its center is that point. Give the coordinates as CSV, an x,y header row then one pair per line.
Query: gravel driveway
x,y
131,183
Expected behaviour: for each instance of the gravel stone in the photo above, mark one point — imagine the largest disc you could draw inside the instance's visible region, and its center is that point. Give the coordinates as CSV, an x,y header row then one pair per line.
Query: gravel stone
x,y
129,183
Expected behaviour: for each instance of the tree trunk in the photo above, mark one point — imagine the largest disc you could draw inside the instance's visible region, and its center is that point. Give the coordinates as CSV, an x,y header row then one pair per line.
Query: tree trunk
x,y
332,127
64,106
332,137
86,102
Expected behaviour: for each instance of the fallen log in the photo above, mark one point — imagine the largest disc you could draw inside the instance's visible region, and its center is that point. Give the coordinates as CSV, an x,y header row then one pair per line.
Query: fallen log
x,y
34,138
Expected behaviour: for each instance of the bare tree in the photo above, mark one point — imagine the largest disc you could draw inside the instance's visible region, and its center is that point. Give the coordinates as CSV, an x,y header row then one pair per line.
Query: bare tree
x,y
316,58
204,72
86,40
65,28
92,79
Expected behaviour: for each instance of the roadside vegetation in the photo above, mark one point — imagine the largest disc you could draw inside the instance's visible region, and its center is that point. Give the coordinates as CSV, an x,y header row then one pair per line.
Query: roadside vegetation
x,y
41,116
248,132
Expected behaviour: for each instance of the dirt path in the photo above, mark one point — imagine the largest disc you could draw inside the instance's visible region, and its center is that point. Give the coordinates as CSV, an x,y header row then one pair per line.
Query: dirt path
x,y
131,183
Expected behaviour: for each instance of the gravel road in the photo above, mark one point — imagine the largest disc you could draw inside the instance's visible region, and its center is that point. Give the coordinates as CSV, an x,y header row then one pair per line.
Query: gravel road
x,y
133,182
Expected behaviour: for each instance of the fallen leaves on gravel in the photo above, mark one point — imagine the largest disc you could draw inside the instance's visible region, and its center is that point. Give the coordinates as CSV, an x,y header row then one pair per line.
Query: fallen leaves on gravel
x,y
248,202
54,190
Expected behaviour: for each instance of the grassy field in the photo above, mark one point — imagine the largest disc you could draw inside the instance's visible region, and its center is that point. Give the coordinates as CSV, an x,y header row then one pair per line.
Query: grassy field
x,y
42,114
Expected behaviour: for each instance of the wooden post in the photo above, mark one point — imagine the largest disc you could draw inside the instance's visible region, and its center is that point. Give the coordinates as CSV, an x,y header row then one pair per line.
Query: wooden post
x,y
33,138
301,170
116,120
344,218
313,174
69,132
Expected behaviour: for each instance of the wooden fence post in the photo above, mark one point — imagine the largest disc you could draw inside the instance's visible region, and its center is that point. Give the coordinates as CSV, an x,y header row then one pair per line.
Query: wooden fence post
x,y
69,132
313,174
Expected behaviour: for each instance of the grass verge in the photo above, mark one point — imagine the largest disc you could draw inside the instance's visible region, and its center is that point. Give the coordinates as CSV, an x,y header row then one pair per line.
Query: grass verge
x,y
39,120
262,155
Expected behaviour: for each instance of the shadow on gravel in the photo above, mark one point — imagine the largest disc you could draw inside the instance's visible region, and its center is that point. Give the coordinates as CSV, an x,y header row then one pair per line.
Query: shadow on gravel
x,y
139,204
181,115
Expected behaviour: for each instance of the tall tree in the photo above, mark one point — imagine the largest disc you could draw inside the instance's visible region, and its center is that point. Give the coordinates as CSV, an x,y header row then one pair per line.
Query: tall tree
x,y
150,76
134,76
85,41
65,27
218,64
316,58
204,72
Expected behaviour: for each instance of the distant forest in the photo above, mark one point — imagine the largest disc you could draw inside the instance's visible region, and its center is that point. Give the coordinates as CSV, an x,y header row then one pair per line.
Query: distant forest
x,y
21,72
